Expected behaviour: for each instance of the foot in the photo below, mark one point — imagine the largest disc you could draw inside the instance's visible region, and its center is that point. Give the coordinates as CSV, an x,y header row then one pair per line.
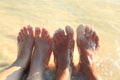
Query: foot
x,y
88,44
63,47
41,54
25,47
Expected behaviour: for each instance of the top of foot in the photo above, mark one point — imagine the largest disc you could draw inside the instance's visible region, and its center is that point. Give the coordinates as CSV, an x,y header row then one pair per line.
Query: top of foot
x,y
63,46
43,46
88,42
25,45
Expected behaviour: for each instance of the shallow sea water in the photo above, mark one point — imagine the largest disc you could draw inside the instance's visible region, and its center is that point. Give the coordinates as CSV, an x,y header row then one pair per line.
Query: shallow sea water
x,y
102,15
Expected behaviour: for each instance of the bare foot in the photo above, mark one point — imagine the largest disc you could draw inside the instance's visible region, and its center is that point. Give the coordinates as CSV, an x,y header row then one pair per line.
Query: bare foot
x,y
25,47
88,44
63,47
41,54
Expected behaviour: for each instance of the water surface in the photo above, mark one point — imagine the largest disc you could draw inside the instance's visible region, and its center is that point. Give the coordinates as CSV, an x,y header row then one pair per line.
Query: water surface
x,y
102,15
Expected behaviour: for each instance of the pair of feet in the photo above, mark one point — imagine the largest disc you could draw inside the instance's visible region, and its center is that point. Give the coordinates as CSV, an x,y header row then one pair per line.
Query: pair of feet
x,y
63,47
34,49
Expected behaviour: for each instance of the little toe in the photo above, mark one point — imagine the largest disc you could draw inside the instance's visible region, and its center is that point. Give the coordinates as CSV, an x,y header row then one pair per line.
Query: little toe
x,y
37,32
30,30
94,36
21,35
18,38
97,40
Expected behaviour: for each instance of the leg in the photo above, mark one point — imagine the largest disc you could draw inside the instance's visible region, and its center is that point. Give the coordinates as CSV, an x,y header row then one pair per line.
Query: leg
x,y
25,46
88,44
41,55
63,46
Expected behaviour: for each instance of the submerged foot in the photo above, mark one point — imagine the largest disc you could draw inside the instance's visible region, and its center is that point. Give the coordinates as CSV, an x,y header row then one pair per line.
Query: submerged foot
x,y
88,44
63,46
25,47
41,54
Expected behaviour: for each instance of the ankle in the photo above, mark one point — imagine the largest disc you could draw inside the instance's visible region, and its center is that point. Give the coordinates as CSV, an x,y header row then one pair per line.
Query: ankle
x,y
62,69
63,74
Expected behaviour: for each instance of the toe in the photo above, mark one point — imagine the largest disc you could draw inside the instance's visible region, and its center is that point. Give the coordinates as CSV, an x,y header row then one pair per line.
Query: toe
x,y
18,38
47,37
22,34
94,36
81,31
69,31
70,34
25,31
37,32
88,32
44,33
97,40
58,35
30,30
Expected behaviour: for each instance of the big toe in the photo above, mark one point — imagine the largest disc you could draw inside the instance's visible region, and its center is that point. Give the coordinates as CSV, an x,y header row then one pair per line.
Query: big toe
x,y
80,31
69,31
70,34
59,35
44,34
89,32
37,32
